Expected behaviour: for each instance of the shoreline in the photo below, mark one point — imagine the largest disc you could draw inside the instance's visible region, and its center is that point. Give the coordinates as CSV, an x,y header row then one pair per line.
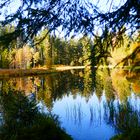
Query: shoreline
x,y
4,73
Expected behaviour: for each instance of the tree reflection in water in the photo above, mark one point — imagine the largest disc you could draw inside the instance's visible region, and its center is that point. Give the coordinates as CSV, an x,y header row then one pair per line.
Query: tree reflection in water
x,y
108,101
125,118
22,120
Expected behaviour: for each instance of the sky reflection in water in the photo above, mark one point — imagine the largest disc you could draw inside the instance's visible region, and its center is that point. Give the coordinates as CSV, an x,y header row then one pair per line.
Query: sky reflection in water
x,y
83,120
83,112
89,119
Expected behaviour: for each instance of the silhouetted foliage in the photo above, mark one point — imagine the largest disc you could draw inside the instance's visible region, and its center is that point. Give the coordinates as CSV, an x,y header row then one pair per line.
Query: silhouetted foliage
x,y
79,16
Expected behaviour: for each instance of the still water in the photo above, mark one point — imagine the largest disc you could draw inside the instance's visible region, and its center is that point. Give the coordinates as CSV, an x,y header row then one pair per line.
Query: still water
x,y
88,108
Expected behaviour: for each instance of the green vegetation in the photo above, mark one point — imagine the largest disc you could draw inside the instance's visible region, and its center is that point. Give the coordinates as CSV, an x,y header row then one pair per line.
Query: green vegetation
x,y
131,135
35,59
51,51
127,122
110,51
21,119
29,46
49,88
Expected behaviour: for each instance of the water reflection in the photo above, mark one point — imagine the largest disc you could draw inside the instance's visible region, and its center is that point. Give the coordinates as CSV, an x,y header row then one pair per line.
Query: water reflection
x,y
96,111
21,119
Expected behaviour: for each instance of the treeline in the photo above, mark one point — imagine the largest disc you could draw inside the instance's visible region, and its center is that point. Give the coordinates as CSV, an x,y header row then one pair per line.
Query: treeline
x,y
51,51
114,50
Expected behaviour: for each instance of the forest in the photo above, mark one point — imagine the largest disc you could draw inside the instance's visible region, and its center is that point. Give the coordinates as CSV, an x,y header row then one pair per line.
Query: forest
x,y
53,50
69,69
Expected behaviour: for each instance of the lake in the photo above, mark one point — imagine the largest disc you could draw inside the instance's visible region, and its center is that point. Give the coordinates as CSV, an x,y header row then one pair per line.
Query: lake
x,y
93,107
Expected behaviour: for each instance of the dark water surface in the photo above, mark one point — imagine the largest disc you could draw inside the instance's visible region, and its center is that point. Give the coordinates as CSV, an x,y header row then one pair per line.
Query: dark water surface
x,y
88,108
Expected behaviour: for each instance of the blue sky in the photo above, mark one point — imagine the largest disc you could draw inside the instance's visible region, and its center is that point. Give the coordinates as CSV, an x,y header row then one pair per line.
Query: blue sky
x,y
109,5
12,8
103,5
